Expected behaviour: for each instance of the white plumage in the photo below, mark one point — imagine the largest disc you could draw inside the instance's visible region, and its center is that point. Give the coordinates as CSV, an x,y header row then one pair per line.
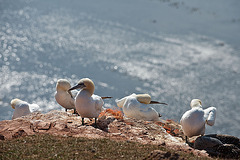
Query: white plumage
x,y
64,97
22,108
137,106
193,121
87,104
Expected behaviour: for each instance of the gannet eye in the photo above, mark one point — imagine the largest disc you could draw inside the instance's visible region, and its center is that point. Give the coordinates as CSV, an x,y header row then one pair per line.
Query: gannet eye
x,y
82,84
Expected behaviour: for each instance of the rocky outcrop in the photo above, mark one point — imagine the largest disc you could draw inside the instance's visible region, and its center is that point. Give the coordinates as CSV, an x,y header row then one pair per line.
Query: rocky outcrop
x,y
108,126
225,146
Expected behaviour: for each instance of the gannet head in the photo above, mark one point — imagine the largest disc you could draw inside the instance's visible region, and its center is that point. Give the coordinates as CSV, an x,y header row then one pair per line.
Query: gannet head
x,y
196,103
63,84
14,102
144,98
85,84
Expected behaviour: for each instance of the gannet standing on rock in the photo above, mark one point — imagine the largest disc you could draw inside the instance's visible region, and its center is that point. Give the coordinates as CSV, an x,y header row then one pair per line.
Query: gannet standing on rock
x,y
193,121
64,97
88,105
136,106
22,108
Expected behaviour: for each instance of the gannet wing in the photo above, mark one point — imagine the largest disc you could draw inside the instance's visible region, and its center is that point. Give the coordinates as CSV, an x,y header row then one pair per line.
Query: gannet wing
x,y
149,113
34,108
98,102
144,108
148,110
210,115
21,110
120,102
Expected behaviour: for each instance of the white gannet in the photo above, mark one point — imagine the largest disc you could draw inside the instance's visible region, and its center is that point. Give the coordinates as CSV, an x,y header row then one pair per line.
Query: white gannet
x,y
88,105
193,121
136,106
22,108
64,97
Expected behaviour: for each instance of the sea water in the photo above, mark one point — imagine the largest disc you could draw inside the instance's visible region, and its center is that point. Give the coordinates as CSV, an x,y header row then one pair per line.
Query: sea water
x,y
173,50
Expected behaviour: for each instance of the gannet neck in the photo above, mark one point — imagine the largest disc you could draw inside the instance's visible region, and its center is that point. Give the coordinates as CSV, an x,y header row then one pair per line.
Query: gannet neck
x,y
63,85
196,103
15,102
89,85
144,98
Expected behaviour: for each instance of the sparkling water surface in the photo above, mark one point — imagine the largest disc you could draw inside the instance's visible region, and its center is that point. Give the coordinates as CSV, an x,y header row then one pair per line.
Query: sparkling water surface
x,y
173,50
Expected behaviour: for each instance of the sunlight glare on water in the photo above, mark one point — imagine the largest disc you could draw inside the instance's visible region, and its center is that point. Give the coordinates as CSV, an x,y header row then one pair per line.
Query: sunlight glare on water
x,y
38,47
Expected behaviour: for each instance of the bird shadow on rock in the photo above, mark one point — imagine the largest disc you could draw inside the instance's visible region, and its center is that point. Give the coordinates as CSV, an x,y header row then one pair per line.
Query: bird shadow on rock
x,y
103,123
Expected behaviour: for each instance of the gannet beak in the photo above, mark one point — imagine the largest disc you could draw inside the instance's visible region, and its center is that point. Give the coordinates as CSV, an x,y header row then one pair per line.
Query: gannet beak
x,y
78,86
156,102
105,97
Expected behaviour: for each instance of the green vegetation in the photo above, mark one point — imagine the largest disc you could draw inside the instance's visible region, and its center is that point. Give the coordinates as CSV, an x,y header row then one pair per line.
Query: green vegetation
x,y
54,147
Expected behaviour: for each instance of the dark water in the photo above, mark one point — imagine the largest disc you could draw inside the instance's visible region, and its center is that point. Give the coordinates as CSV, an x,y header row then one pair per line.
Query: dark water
x,y
173,50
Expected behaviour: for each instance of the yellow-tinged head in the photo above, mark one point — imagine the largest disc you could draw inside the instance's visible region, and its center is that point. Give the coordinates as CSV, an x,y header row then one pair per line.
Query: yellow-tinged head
x,y
85,84
63,84
196,103
144,98
14,102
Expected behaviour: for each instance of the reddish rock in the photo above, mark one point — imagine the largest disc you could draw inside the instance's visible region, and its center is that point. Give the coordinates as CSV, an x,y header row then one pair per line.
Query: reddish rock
x,y
19,133
109,125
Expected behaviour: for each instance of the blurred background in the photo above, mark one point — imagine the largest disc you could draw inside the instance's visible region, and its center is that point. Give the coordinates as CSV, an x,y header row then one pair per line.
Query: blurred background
x,y
174,50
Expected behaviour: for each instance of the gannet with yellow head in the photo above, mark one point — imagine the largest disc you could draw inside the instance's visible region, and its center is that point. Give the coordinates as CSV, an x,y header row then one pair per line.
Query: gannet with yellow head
x,y
64,97
22,108
88,105
137,106
193,121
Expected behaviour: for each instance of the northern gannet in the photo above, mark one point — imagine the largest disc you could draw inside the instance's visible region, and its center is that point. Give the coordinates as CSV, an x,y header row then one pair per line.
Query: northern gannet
x,y
22,108
193,121
64,97
136,106
88,105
